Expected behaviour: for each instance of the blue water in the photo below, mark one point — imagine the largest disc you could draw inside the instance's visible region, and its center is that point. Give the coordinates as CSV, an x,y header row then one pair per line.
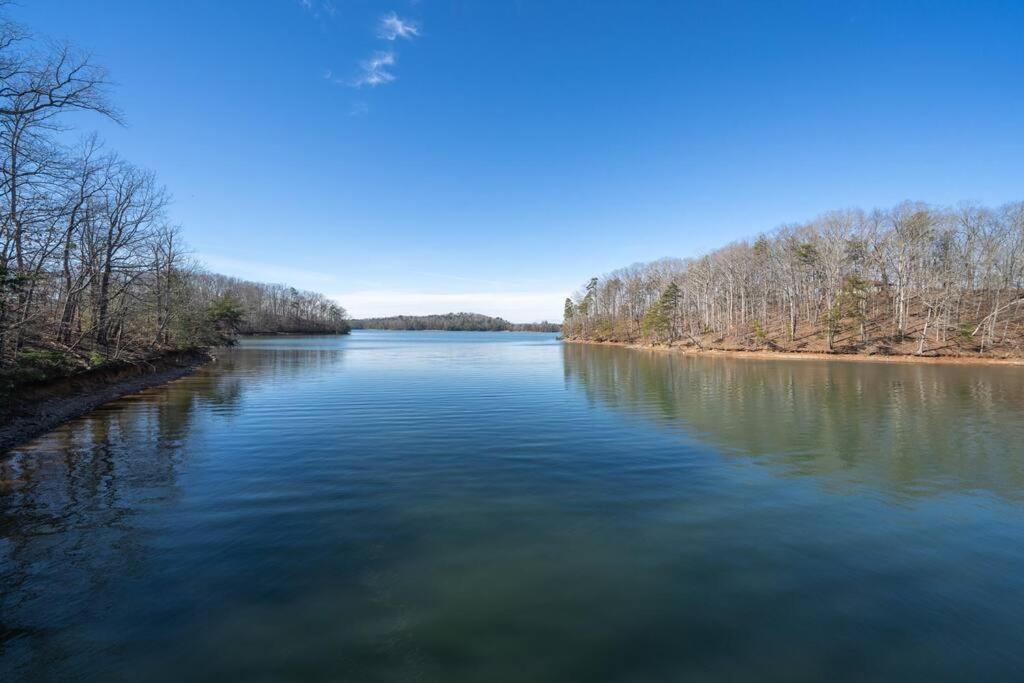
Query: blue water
x,y
396,506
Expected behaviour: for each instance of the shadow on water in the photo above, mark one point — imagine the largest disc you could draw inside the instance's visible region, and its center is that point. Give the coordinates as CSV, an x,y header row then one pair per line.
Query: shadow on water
x,y
907,430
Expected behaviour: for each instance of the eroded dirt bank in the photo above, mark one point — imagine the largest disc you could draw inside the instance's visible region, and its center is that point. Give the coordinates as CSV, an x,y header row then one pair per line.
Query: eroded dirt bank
x,y
38,408
807,355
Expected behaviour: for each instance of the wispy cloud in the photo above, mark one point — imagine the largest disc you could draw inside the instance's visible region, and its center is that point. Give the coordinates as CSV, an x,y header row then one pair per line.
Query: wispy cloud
x,y
318,9
375,70
393,27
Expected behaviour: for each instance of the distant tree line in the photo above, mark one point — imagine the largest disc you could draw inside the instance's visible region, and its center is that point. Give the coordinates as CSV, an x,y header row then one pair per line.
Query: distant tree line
x,y
91,269
453,322
542,326
913,279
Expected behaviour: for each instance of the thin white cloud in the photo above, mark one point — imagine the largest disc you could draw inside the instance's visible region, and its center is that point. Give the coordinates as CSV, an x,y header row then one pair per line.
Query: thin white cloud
x,y
374,71
393,27
319,9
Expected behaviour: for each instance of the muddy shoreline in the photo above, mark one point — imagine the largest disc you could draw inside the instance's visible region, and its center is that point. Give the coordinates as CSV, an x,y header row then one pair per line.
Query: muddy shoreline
x,y
41,407
805,355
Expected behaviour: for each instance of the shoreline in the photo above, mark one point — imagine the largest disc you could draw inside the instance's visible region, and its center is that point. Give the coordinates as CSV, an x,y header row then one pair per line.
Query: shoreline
x,y
806,355
50,404
292,334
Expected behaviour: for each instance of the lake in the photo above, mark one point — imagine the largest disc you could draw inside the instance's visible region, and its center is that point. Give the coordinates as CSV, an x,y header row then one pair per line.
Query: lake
x,y
397,506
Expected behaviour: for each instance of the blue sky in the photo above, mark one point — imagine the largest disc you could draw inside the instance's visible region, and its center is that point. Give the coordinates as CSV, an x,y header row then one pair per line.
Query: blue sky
x,y
416,157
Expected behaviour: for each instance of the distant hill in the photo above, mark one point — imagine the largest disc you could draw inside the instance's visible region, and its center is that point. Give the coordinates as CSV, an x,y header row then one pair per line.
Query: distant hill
x,y
452,322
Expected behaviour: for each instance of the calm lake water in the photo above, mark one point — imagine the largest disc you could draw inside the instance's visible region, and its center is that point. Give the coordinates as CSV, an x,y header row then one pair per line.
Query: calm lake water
x,y
483,507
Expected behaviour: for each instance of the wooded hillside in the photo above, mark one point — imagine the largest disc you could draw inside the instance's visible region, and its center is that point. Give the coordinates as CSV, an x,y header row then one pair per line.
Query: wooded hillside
x,y
913,279
91,267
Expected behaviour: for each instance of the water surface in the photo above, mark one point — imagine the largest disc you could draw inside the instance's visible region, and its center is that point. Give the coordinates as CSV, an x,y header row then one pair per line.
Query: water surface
x,y
473,506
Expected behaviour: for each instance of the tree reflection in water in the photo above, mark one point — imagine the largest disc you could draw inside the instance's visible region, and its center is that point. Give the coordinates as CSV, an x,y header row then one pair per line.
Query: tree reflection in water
x,y
905,429
69,501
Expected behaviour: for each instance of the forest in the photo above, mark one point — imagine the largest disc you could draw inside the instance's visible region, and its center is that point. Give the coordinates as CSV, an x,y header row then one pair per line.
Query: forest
x,y
910,280
91,267
452,322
